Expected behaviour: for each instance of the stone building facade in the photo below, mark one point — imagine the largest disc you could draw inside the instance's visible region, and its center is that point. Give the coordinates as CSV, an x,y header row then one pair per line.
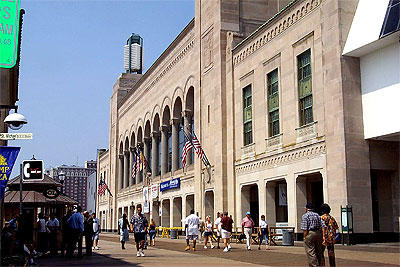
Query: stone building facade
x,y
275,105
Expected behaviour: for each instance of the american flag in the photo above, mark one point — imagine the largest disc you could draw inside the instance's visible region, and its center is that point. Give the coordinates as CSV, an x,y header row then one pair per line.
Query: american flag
x,y
102,188
138,160
134,166
186,148
197,147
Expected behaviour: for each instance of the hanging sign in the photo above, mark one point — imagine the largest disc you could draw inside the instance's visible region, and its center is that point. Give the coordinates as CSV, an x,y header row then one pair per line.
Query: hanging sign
x,y
8,155
9,32
174,183
154,191
51,193
282,195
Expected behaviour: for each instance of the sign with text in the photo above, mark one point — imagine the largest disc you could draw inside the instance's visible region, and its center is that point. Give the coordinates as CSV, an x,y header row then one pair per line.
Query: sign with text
x,y
171,184
8,155
32,170
51,193
154,191
9,32
14,136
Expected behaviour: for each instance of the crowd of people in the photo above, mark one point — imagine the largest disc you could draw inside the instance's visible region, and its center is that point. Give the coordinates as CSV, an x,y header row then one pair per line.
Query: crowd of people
x,y
320,234
17,237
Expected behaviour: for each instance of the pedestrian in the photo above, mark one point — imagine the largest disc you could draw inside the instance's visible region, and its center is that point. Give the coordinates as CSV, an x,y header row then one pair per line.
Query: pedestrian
x,y
247,229
66,232
123,226
88,233
328,235
77,229
192,230
263,233
53,225
208,232
311,225
152,232
226,231
218,226
42,233
96,231
14,222
139,226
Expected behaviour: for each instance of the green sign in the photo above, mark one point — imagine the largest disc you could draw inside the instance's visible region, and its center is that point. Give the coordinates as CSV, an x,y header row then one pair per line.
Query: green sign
x,y
9,32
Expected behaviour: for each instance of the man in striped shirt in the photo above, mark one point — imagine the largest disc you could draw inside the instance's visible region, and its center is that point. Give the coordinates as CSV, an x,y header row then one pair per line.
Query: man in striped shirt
x,y
311,225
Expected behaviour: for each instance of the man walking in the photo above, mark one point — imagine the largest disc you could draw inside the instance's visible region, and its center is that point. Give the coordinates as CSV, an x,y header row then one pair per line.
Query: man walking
x,y
218,226
311,225
96,231
139,226
192,230
76,224
88,233
247,229
53,224
226,230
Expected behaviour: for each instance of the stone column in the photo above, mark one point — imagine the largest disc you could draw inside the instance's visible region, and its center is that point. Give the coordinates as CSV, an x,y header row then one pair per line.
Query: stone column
x,y
175,144
271,206
187,120
171,212
139,175
183,210
146,152
121,171
164,149
126,169
154,154
131,182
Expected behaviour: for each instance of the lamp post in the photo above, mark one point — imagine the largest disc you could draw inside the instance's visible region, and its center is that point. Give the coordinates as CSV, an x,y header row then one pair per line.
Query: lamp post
x,y
61,176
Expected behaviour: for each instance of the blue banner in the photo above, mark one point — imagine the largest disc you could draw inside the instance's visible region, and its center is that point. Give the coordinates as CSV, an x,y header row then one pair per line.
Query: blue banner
x,y
174,183
8,155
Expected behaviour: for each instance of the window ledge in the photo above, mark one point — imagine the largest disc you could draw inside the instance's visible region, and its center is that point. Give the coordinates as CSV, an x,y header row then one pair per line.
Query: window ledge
x,y
248,151
306,132
274,142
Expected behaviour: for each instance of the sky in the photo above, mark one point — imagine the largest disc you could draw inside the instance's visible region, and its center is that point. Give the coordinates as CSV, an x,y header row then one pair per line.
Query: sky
x,y
71,56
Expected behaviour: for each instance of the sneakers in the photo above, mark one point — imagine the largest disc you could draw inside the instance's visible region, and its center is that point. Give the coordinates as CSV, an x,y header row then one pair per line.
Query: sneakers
x,y
96,248
187,248
138,254
194,249
226,249
205,247
248,248
92,248
141,253
212,246
229,247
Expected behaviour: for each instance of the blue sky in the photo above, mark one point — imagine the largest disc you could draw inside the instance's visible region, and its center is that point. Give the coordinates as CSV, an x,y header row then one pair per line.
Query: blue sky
x,y
72,54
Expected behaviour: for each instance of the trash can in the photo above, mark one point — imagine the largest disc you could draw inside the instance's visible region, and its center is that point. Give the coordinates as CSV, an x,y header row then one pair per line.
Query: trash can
x,y
173,234
287,237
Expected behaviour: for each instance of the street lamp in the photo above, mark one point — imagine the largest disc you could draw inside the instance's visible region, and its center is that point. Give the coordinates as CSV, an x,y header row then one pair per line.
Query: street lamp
x,y
61,176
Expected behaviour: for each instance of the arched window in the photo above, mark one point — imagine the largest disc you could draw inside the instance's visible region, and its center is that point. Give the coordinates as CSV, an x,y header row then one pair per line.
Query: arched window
x,y
159,155
181,144
80,174
67,173
169,150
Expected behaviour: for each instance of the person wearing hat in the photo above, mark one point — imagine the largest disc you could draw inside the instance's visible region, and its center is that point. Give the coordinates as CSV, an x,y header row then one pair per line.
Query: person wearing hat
x,y
311,225
247,229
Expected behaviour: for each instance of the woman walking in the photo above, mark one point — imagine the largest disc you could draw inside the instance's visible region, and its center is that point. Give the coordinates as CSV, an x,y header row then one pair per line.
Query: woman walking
x,y
208,232
263,233
42,233
123,225
152,232
328,235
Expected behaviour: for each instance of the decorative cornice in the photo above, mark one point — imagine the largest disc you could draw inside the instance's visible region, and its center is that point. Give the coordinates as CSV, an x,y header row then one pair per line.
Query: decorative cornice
x,y
282,158
271,30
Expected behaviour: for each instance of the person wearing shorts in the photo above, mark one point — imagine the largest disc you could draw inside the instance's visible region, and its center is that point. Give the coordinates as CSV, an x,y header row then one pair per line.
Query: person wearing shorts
x,y
192,230
208,232
218,226
139,226
226,230
152,232
96,231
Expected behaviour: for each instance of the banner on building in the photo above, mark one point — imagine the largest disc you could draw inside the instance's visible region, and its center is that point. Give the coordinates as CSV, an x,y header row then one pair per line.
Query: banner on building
x,y
282,195
8,155
171,184
154,191
146,205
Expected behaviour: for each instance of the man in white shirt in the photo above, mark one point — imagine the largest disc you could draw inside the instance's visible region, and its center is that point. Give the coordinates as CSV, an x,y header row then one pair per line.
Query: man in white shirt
x,y
53,224
218,226
96,231
192,230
